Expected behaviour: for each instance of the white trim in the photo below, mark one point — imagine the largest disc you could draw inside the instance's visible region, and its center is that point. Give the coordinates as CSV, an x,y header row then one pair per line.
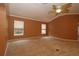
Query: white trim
x,y
46,21
63,15
19,34
59,38
27,18
6,48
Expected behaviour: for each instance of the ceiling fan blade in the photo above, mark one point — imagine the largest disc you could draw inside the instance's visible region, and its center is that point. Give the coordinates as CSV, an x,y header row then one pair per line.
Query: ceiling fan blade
x,y
65,7
53,11
53,7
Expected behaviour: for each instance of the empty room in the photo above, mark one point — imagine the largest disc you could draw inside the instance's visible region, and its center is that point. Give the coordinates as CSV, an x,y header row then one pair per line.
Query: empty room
x,y
39,29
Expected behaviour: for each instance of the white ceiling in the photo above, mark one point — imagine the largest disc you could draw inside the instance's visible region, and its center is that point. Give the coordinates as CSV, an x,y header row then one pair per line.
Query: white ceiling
x,y
37,11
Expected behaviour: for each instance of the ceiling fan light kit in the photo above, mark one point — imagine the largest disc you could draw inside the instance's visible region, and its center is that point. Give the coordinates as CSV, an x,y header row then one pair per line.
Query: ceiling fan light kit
x,y
56,9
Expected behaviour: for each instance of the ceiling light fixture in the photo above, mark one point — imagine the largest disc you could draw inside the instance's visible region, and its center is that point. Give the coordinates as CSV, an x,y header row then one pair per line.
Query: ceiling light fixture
x,y
58,10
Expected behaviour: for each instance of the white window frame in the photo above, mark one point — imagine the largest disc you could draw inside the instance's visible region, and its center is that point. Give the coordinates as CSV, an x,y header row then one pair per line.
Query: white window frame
x,y
43,29
19,26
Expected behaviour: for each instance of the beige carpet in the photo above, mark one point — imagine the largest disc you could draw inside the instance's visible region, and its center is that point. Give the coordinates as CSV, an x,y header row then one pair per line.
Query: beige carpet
x,y
42,46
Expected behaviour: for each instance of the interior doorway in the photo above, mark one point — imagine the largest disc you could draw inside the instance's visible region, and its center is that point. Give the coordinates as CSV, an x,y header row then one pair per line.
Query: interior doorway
x,y
78,32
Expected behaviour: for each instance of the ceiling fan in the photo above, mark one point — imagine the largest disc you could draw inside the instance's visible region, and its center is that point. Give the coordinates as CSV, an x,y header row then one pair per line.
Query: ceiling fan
x,y
60,9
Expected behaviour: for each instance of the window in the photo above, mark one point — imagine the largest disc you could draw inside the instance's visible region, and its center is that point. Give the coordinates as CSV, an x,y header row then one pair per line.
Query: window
x,y
43,28
18,28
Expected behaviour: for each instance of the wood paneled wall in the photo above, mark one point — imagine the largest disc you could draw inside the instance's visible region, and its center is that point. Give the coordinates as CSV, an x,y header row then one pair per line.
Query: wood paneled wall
x,y
31,27
64,27
3,29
